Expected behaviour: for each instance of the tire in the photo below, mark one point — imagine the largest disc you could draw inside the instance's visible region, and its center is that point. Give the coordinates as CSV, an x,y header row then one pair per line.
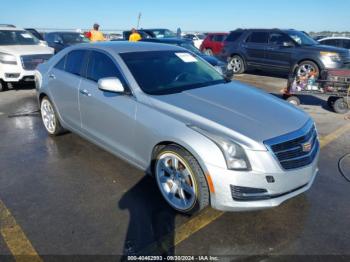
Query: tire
x,y
306,67
49,117
293,100
331,100
208,52
181,180
340,106
3,86
236,64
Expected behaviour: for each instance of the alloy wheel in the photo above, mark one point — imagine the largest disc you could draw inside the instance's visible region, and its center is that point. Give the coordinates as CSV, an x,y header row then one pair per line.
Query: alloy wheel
x,y
306,69
176,181
235,65
48,116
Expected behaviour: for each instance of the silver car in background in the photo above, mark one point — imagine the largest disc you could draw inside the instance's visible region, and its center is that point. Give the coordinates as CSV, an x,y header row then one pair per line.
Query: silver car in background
x,y
205,139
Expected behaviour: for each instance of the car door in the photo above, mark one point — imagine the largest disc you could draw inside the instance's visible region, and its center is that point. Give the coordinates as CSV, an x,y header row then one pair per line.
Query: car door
x,y
64,81
254,48
279,51
218,43
108,118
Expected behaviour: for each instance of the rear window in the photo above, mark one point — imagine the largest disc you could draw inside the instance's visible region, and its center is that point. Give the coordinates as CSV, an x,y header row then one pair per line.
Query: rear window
x,y
234,36
218,38
258,37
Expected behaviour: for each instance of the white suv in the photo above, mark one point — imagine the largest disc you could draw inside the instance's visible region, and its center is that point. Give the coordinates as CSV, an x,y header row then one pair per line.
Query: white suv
x,y
20,53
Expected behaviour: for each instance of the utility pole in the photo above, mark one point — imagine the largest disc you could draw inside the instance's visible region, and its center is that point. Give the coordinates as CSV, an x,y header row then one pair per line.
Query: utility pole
x,y
138,20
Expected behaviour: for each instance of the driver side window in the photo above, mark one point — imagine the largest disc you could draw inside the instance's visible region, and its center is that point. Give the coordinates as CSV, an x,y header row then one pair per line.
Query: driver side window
x,y
278,39
102,66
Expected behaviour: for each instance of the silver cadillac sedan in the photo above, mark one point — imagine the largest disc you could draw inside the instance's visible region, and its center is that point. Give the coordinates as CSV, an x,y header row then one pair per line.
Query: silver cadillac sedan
x,y
205,139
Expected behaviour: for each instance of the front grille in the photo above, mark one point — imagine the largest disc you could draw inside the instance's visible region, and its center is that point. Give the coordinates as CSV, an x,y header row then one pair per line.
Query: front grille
x,y
30,62
296,152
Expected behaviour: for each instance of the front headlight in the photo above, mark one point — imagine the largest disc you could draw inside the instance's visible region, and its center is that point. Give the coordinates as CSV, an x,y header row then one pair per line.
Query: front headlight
x,y
8,59
332,56
235,156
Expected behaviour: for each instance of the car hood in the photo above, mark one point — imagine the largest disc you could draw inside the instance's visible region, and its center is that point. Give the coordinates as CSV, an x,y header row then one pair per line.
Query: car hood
x,y
26,49
246,114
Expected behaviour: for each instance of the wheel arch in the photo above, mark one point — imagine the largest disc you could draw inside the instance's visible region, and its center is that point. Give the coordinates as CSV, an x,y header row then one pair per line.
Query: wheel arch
x,y
159,146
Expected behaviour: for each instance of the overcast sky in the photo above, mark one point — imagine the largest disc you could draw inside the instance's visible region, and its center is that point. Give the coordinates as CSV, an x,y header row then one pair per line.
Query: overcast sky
x,y
201,15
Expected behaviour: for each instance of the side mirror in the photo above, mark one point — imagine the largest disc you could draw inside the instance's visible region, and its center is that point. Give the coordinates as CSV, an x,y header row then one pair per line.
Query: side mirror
x,y
288,44
58,42
111,84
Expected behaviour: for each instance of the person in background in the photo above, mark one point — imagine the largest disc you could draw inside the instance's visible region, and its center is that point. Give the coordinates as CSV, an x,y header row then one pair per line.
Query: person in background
x,y
135,36
96,35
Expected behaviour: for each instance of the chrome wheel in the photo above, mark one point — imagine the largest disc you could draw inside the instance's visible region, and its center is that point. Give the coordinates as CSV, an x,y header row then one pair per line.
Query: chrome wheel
x,y
306,69
176,181
48,116
235,64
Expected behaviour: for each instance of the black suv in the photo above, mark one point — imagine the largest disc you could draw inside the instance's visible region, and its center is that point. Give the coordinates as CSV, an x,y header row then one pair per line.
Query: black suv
x,y
282,50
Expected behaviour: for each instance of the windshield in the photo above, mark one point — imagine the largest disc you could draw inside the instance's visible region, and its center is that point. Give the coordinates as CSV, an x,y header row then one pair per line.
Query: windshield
x,y
201,37
73,38
163,33
301,38
168,72
8,37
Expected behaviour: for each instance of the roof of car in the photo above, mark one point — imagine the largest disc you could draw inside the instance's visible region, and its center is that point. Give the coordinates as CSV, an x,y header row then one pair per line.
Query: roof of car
x,y
334,37
9,28
63,32
127,47
166,40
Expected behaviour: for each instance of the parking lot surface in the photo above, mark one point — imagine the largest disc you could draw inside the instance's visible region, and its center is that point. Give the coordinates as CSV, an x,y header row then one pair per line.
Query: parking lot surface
x,y
65,196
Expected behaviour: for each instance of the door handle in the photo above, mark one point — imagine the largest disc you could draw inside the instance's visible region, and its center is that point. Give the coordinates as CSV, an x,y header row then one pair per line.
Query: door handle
x,y
52,76
84,92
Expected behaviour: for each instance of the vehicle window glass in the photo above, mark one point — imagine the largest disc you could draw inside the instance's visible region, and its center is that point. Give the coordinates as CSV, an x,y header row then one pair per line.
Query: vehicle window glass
x,y
218,38
346,43
258,37
17,37
278,39
101,66
61,64
234,36
50,38
74,62
329,42
166,72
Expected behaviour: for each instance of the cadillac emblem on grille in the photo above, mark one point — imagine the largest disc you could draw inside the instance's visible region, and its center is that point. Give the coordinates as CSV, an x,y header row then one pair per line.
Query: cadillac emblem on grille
x,y
307,147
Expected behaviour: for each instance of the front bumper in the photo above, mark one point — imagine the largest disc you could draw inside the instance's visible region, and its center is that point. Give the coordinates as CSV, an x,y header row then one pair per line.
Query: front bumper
x,y
15,73
287,184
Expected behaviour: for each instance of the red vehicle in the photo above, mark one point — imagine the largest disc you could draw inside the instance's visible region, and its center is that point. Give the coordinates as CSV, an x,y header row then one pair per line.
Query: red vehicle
x,y
213,43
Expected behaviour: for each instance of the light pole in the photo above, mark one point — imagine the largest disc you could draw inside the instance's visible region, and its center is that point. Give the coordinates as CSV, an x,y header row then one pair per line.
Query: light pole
x,y
138,20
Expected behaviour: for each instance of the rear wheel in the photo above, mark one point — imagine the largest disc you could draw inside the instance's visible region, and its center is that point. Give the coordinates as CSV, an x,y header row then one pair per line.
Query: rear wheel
x,y
236,64
340,106
331,100
181,180
49,117
307,67
293,100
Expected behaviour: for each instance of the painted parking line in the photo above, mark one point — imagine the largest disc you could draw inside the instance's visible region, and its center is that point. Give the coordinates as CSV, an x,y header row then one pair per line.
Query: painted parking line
x,y
15,239
334,135
209,215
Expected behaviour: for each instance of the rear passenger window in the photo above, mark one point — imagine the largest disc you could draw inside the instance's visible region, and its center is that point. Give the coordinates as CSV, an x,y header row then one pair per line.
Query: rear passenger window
x,y
61,64
258,37
101,66
75,62
234,36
